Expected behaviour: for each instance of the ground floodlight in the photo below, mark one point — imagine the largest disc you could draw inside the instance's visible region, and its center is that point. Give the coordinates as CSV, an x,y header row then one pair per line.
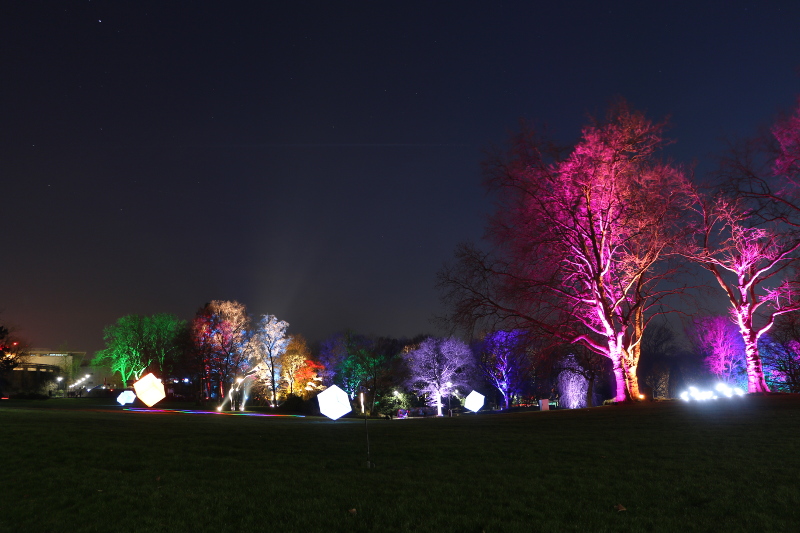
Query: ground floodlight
x,y
126,397
333,402
150,390
474,401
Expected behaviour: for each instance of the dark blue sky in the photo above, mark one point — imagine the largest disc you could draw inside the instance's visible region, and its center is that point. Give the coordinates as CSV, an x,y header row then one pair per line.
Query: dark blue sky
x,y
320,160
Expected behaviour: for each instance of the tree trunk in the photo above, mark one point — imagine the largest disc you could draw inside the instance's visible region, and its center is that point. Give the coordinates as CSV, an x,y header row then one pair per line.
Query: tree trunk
x,y
621,394
755,373
632,382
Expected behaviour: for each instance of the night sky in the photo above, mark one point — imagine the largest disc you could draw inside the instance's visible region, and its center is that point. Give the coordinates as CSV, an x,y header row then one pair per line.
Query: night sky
x,y
320,160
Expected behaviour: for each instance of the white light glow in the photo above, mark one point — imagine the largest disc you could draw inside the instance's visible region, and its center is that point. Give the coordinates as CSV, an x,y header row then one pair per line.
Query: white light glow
x,y
722,390
150,390
474,401
333,402
126,397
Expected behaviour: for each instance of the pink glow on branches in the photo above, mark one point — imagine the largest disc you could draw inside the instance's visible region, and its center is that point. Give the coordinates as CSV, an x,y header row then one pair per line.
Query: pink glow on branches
x,y
748,263
718,339
582,236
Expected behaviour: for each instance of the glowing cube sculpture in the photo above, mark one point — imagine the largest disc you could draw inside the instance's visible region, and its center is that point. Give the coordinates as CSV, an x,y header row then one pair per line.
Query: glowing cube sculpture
x,y
333,402
126,397
150,390
474,401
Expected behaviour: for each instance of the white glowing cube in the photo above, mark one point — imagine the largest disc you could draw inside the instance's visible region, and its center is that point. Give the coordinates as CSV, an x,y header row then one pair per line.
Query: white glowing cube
x,y
150,390
126,397
333,402
474,401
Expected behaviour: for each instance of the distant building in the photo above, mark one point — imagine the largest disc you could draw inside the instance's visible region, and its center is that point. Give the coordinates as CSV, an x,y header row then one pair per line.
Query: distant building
x,y
41,369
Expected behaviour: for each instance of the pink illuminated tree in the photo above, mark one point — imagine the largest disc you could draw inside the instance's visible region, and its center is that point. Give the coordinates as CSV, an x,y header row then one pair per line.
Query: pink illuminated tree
x,y
718,339
750,235
579,237
749,258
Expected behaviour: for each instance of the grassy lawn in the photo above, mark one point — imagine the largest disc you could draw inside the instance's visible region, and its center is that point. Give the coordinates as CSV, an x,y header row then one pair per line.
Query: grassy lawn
x,y
77,465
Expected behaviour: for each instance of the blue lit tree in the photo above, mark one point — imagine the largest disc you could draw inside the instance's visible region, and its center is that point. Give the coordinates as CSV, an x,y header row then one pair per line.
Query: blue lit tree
x,y
506,359
781,354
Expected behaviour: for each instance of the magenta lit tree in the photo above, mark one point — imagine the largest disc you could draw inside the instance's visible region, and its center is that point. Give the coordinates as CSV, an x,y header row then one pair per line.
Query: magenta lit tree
x,y
437,366
717,338
579,237
749,238
749,259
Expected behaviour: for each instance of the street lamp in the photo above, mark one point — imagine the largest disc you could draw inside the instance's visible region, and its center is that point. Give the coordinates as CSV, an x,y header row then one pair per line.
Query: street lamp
x,y
59,379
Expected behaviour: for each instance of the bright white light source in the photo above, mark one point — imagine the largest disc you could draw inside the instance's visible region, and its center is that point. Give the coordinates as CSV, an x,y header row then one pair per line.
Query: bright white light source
x,y
701,395
150,390
474,401
126,397
333,402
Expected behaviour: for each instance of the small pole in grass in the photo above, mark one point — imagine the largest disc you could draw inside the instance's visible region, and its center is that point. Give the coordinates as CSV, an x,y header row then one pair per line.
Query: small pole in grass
x,y
366,430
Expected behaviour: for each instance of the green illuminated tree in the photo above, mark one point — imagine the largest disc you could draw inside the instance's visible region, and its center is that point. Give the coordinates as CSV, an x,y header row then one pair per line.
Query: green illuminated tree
x,y
136,343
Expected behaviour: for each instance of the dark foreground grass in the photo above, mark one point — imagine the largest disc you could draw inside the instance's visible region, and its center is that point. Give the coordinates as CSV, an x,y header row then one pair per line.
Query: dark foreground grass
x,y
675,467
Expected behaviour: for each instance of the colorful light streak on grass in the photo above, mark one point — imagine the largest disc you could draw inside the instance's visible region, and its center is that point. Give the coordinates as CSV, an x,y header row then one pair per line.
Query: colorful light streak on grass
x,y
192,412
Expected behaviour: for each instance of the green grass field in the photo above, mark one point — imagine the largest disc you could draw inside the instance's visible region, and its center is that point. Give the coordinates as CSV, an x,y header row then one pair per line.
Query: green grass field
x,y
76,465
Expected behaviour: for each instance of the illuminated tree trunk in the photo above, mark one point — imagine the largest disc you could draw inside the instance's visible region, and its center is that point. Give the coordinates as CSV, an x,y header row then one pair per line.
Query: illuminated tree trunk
x,y
630,358
619,378
755,372
744,317
632,382
626,381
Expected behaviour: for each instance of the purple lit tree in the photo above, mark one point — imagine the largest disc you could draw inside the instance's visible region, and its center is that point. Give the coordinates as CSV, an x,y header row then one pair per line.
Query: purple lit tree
x,y
579,370
506,360
578,241
573,386
437,366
